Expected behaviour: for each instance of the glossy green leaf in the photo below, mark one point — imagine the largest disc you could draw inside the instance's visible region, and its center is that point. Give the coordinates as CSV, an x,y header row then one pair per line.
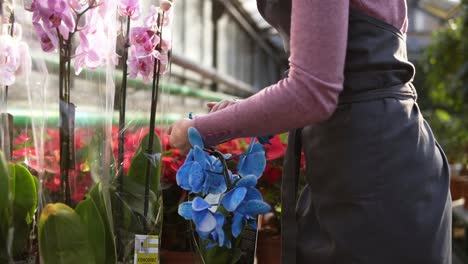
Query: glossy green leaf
x,y
96,195
94,225
138,167
63,238
4,183
4,207
24,207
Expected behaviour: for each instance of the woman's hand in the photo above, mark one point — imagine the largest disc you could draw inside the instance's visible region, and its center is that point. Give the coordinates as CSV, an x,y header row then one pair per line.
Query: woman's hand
x,y
178,133
216,106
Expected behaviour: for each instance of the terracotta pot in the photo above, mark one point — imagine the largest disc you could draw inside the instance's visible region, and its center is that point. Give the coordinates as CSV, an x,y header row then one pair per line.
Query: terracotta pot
x,y
268,249
465,192
457,184
176,257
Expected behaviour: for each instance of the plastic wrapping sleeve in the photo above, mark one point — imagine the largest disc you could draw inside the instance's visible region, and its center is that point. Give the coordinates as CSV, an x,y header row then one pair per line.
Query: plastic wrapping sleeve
x,y
87,205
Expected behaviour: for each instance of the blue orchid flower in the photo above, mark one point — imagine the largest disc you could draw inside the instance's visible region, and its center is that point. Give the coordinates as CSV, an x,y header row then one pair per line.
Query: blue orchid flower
x,y
246,202
253,162
209,225
198,211
218,235
204,174
200,172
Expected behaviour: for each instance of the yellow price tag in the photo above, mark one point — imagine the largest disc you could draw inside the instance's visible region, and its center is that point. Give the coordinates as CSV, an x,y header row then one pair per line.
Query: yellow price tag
x,y
146,249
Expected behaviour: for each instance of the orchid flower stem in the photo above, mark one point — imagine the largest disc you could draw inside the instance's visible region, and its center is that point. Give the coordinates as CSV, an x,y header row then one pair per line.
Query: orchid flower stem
x,y
220,156
66,127
121,147
154,103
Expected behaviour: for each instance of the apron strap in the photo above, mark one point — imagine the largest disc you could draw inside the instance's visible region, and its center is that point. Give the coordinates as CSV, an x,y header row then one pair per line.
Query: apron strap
x,y
289,186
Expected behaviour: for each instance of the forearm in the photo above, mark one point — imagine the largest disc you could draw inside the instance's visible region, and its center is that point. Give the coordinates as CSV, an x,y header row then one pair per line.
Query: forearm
x,y
309,94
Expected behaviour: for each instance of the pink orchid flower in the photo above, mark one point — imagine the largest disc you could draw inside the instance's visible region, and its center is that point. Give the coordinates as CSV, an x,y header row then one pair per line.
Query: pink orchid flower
x,y
144,40
9,60
130,8
85,56
140,65
48,40
55,14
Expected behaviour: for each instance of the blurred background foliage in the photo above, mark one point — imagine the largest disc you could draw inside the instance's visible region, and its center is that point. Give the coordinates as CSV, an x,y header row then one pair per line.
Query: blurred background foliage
x,y
442,81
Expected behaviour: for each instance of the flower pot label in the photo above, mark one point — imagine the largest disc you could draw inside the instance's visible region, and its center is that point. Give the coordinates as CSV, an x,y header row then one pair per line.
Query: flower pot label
x,y
146,249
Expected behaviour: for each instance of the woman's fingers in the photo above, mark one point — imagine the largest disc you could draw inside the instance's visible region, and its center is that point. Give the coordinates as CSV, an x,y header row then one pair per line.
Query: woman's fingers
x,y
211,104
221,105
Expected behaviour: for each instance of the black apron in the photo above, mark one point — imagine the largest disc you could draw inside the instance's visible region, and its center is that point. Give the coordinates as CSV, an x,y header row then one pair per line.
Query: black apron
x,y
377,183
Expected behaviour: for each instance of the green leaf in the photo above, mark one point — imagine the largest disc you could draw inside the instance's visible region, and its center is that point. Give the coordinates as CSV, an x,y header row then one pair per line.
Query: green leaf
x,y
138,167
4,207
24,206
4,184
98,198
221,255
92,220
97,163
133,200
62,237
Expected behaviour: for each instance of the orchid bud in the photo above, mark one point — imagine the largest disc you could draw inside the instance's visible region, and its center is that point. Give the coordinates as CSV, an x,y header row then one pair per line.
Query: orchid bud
x,y
165,5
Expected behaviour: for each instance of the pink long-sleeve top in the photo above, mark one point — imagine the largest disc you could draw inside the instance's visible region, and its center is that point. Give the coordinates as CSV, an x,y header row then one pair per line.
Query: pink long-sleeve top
x,y
310,92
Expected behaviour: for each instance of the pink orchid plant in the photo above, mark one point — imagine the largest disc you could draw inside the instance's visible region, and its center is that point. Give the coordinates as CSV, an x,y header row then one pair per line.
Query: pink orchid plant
x,y
146,45
14,54
56,22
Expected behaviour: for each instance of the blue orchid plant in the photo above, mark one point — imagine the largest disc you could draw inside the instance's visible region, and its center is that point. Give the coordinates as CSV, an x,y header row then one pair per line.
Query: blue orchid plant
x,y
225,202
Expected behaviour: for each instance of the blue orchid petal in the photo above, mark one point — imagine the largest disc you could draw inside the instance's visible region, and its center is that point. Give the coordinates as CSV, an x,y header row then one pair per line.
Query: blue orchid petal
x,y
196,177
254,207
189,156
220,219
233,198
199,204
214,235
253,162
204,220
257,147
182,176
234,177
253,194
214,183
200,156
204,235
237,224
195,138
216,164
185,210
210,245
247,181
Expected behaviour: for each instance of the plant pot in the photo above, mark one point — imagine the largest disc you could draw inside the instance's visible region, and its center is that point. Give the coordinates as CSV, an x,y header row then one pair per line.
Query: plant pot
x,y
457,184
465,192
268,249
176,257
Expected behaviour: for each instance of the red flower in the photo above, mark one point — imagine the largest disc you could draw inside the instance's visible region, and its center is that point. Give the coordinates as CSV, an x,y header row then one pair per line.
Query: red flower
x,y
271,175
53,184
276,150
21,139
21,154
